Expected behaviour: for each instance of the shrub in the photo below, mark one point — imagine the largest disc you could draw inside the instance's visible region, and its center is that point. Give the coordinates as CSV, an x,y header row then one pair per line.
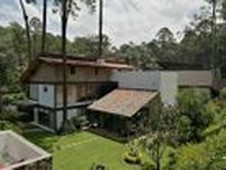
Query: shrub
x,y
10,115
68,127
209,154
79,121
133,156
98,167
6,125
223,94
148,166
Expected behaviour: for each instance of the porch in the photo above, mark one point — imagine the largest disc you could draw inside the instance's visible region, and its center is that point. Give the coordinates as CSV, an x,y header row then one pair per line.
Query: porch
x,y
123,112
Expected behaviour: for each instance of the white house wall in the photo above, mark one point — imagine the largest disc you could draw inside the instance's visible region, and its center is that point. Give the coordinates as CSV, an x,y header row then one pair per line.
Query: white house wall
x,y
46,98
70,114
33,91
149,80
169,87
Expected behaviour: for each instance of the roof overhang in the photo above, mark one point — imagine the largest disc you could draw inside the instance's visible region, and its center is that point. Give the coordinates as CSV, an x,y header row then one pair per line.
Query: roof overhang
x,y
123,102
57,60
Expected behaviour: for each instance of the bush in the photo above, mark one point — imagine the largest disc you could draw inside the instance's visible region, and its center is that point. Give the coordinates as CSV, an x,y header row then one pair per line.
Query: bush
x,y
98,167
148,166
68,127
133,156
209,154
79,121
6,125
223,94
10,115
12,98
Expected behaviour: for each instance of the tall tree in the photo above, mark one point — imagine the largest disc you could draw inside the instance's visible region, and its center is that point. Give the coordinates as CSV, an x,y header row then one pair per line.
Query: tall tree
x,y
44,20
67,8
27,27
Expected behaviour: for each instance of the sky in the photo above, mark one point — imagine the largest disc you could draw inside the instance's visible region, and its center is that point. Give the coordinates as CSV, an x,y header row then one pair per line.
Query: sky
x,y
124,20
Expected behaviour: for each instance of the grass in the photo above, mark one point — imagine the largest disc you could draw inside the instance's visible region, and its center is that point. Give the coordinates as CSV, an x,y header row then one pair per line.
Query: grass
x,y
82,150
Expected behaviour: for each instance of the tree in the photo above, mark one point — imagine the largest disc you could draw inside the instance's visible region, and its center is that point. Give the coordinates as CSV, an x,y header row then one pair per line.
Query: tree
x,y
163,125
166,42
44,20
35,25
67,8
27,27
191,105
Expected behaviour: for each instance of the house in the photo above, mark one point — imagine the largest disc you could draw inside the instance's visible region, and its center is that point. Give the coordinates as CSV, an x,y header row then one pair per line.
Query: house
x,y
16,153
88,80
107,91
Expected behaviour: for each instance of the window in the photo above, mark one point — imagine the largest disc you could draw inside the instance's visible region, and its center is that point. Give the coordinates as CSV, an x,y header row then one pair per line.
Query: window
x,y
46,118
72,70
96,71
45,89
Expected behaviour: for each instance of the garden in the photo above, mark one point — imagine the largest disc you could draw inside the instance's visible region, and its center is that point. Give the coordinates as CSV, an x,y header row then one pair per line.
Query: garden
x,y
179,137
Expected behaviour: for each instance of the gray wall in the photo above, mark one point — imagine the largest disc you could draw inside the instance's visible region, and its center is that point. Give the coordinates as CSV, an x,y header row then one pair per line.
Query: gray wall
x,y
149,80
168,87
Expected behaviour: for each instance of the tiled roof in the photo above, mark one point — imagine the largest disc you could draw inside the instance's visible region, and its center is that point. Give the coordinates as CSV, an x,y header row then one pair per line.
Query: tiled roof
x,y
56,59
86,63
124,102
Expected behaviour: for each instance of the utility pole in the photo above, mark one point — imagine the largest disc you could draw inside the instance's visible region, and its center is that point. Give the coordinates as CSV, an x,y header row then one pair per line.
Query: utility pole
x,y
100,48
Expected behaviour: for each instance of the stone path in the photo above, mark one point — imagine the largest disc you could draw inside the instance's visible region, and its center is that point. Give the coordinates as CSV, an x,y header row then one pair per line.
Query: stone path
x,y
71,145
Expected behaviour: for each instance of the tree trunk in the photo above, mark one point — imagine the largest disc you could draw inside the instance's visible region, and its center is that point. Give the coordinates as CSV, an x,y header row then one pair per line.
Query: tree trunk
x,y
1,104
63,52
44,25
27,27
213,60
100,51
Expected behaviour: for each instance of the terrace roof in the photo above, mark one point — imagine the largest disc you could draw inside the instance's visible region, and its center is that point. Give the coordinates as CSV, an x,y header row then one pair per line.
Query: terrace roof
x,y
123,102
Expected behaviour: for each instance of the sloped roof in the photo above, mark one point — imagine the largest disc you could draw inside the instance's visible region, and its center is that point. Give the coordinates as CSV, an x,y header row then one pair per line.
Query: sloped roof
x,y
124,102
56,59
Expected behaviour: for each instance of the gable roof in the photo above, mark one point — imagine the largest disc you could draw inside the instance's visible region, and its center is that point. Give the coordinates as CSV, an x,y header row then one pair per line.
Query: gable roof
x,y
123,102
56,59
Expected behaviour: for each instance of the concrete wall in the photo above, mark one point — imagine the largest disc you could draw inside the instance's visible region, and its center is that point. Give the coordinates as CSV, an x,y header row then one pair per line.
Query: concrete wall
x,y
149,80
195,78
46,98
168,87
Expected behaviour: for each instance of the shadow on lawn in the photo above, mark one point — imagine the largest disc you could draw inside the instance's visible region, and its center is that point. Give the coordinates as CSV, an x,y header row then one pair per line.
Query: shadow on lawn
x,y
43,139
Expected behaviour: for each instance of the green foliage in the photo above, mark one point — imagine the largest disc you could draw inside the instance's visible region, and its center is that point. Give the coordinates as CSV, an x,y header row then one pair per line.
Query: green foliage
x,y
10,115
74,124
98,167
209,154
6,125
223,94
148,166
194,118
133,157
79,121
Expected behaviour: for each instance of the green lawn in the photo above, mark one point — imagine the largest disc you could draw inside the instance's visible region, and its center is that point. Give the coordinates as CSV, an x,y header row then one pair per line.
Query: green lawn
x,y
80,150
